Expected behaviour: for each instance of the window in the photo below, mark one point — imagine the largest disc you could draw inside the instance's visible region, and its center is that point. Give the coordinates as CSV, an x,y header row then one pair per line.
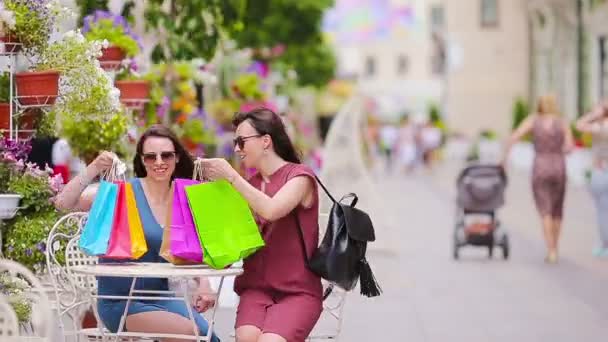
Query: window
x,y
489,13
402,64
437,18
370,66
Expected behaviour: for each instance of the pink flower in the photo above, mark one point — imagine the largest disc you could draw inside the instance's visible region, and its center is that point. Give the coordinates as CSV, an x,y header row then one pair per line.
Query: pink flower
x,y
56,183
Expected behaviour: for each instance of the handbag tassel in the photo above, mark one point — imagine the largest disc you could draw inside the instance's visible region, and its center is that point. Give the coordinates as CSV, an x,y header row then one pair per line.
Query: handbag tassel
x,y
368,283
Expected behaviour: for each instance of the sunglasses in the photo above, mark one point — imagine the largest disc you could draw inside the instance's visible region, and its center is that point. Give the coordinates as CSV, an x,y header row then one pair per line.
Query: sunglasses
x,y
240,141
152,157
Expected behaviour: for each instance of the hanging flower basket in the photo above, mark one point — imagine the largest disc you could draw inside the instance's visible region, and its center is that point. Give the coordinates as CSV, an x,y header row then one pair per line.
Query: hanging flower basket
x,y
38,87
9,203
11,44
133,90
111,57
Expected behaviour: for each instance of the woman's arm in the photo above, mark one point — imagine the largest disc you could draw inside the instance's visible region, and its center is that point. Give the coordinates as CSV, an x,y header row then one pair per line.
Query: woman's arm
x,y
524,128
77,194
569,138
586,122
295,192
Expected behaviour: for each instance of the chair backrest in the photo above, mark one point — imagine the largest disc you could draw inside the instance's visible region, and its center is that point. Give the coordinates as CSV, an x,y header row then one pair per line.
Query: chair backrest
x,y
63,253
32,295
9,324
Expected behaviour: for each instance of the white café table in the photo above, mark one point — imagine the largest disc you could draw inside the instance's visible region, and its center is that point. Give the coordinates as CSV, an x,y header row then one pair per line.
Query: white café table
x,y
154,270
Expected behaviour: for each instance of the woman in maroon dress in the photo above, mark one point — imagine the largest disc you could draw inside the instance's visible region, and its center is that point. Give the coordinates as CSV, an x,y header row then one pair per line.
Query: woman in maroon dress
x,y
280,298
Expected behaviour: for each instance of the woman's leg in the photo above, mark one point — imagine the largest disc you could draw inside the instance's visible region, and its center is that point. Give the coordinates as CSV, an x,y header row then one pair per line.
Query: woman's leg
x,y
599,191
248,333
169,317
549,235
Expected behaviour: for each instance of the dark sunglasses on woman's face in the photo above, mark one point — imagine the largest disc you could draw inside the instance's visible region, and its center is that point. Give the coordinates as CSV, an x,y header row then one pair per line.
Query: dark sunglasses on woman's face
x,y
240,141
165,156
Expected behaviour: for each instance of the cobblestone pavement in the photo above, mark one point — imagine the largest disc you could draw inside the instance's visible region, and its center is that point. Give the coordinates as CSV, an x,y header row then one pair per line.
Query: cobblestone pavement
x,y
429,297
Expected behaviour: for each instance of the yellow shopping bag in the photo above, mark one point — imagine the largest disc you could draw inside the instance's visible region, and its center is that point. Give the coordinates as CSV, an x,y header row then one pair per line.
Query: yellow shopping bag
x,y
139,247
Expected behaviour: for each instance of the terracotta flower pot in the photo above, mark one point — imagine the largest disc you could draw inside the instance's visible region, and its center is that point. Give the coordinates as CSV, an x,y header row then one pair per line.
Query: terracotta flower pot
x,y
5,112
38,87
11,43
133,90
111,57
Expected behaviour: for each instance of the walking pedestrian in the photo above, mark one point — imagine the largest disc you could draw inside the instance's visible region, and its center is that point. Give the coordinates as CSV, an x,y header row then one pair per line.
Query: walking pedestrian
x,y
596,123
552,139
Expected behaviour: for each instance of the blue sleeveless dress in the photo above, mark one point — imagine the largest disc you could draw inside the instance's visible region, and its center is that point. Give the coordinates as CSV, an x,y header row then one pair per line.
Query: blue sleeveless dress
x,y
111,310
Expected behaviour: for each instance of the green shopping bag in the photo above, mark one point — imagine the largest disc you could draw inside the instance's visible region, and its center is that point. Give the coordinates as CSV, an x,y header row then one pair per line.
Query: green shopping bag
x,y
225,224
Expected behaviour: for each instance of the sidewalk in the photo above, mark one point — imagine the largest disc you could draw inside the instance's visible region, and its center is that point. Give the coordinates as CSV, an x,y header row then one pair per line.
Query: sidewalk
x,y
429,297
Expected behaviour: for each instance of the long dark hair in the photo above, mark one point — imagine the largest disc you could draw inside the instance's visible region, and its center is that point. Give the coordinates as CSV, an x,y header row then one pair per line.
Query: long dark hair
x,y
185,164
265,121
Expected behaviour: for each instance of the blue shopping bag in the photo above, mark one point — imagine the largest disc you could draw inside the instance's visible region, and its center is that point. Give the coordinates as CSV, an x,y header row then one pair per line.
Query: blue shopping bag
x,y
96,233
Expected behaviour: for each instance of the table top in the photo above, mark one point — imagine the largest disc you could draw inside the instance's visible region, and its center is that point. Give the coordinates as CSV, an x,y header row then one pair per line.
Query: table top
x,y
153,270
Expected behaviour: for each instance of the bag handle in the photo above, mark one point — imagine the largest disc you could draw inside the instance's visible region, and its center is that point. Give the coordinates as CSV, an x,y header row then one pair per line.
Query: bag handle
x,y
197,173
116,172
325,189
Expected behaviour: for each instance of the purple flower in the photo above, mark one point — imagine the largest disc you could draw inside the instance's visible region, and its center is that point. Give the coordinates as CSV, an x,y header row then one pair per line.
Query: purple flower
x,y
56,183
11,248
29,252
163,109
41,246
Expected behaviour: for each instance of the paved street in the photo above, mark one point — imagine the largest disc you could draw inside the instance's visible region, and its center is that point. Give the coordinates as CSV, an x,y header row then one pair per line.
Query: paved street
x,y
429,297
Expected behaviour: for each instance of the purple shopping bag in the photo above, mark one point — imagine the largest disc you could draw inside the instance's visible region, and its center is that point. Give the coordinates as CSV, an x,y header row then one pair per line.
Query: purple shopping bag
x,y
184,239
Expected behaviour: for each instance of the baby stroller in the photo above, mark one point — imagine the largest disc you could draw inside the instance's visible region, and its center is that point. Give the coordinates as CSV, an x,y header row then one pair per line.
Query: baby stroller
x,y
480,192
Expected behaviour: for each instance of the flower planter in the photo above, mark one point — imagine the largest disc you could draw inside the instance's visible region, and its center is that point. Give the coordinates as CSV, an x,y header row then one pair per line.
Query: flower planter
x,y
11,44
111,57
9,203
5,112
37,88
133,90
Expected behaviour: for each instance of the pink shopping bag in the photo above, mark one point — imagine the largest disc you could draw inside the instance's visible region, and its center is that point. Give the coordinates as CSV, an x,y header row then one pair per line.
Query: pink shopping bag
x,y
184,239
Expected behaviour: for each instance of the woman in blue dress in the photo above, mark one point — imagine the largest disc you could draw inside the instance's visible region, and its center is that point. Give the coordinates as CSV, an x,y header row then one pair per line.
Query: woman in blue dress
x,y
159,158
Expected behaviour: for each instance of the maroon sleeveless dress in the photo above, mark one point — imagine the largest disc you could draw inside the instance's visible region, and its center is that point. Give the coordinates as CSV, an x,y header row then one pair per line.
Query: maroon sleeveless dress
x,y
278,293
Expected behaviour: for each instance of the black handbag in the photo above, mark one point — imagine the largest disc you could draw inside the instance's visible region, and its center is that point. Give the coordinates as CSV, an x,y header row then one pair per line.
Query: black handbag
x,y
340,258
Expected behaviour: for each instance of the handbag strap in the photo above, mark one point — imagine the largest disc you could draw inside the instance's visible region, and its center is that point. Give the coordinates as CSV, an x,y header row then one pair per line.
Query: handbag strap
x,y
330,287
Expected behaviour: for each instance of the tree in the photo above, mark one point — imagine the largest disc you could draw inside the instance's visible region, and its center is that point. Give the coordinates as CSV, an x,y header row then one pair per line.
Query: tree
x,y
191,29
314,63
89,6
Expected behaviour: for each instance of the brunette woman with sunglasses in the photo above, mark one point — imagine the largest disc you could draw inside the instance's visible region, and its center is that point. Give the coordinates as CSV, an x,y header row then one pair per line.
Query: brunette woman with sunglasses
x,y
159,158
280,298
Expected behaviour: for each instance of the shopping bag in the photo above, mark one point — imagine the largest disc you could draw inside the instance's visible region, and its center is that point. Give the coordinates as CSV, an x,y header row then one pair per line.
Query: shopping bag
x,y
139,247
120,238
184,240
96,232
165,246
224,222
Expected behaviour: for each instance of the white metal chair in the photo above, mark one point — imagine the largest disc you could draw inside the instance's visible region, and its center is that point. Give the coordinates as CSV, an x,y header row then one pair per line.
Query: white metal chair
x,y
40,327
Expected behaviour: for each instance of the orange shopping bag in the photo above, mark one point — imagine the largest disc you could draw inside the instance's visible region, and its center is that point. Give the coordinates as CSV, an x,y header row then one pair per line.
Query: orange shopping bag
x,y
139,247
120,238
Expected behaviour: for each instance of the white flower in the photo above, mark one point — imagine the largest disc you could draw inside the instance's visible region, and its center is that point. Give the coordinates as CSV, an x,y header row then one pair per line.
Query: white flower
x,y
105,44
7,18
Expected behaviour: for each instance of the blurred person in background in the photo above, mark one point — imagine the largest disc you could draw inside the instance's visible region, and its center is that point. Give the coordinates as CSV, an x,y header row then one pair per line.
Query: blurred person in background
x,y
430,140
407,148
389,134
596,123
552,139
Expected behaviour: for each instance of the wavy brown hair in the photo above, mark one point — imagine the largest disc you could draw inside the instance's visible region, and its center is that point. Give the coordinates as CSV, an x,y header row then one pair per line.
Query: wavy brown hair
x,y
184,166
265,121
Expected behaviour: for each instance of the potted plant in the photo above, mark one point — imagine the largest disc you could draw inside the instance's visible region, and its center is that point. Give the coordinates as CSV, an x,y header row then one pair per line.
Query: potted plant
x,y
34,21
123,43
7,23
11,152
133,87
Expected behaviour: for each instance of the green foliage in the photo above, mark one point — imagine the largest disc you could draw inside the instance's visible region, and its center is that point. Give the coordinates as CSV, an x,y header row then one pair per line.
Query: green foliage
x,y
521,110
31,27
114,34
36,192
25,239
314,63
190,29
87,7
4,88
267,23
434,113
248,87
6,172
15,290
89,136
